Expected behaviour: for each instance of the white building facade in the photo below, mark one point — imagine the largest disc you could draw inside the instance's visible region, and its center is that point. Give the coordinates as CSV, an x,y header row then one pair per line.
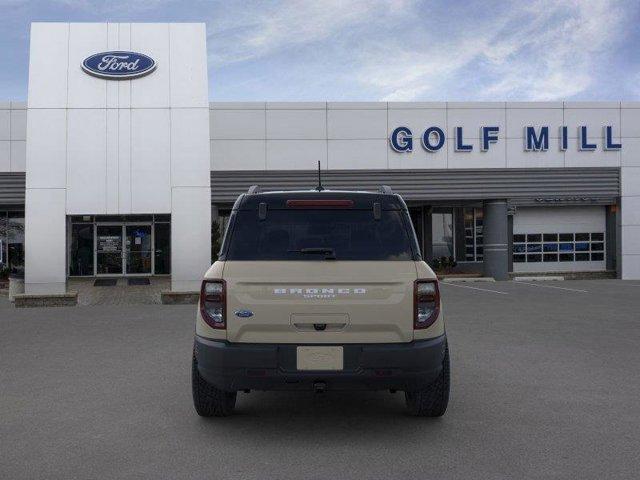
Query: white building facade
x,y
116,147
121,176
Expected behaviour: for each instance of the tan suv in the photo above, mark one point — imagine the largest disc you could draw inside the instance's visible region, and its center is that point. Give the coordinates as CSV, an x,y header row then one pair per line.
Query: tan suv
x,y
320,290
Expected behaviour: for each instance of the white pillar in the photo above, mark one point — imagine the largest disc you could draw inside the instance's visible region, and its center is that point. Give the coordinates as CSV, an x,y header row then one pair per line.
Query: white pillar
x,y
190,237
190,158
630,222
45,241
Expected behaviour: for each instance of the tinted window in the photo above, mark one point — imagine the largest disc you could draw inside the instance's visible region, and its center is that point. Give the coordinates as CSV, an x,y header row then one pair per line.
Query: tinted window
x,y
351,234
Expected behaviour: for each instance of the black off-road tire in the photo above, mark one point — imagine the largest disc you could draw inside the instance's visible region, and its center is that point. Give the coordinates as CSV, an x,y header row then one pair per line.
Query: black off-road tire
x,y
208,400
433,400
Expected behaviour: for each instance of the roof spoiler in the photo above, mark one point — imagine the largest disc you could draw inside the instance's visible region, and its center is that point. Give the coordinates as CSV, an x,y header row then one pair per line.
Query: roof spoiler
x,y
384,189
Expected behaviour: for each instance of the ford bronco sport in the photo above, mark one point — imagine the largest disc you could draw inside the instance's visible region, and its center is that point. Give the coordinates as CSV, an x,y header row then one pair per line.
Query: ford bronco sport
x,y
319,290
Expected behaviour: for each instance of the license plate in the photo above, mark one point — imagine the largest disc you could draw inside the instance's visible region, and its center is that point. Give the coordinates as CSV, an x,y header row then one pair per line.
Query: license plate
x,y
320,358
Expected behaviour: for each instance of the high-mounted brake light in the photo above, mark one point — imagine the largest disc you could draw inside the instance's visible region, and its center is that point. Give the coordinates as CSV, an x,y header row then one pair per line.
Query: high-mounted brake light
x,y
320,203
426,305
213,303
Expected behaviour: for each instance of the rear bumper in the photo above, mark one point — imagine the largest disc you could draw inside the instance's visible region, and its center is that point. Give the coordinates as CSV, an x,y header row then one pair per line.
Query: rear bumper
x,y
400,366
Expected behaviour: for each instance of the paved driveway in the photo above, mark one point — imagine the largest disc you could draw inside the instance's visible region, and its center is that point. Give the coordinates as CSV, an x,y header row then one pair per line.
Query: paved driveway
x,y
545,385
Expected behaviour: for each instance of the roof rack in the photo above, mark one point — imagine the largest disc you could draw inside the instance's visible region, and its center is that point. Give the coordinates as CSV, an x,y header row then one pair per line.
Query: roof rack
x,y
253,189
385,189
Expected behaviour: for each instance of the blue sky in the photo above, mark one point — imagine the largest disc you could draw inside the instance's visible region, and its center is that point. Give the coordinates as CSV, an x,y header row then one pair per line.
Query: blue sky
x,y
378,49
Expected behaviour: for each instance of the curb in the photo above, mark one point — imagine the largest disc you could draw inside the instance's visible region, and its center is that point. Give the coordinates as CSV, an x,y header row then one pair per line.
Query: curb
x,y
468,279
538,279
179,298
25,300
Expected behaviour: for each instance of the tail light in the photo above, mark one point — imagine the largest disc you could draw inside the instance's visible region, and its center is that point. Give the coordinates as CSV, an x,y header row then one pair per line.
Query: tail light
x,y
426,303
213,303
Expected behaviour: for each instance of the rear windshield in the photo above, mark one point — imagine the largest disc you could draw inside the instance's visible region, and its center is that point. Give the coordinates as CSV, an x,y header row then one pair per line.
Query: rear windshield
x,y
319,234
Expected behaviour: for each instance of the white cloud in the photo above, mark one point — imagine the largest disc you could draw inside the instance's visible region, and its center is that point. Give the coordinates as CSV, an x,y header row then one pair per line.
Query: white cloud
x,y
407,50
247,33
400,49
546,51
562,55
100,6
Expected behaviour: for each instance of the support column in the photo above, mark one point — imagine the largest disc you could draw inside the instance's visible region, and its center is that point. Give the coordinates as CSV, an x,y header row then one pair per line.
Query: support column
x,y
510,240
496,254
618,233
460,254
190,237
629,266
45,241
610,238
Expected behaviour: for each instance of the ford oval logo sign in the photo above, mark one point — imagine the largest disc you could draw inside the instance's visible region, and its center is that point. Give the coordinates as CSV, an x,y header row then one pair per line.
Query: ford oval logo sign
x,y
118,65
244,313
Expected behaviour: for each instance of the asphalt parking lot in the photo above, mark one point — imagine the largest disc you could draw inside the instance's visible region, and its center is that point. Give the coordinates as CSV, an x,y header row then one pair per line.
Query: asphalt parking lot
x,y
545,384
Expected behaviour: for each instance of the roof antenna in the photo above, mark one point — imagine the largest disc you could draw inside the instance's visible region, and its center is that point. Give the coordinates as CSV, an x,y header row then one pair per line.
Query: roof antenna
x,y
320,187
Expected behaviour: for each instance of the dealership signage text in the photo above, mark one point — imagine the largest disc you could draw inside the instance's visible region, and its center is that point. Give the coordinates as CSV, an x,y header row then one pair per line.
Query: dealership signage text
x,y
536,139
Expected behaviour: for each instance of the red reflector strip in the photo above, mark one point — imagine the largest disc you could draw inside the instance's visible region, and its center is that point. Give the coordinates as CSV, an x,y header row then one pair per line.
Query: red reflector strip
x,y
320,203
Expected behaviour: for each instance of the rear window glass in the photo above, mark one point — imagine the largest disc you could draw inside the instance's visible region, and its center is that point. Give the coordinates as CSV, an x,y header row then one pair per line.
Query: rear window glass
x,y
318,234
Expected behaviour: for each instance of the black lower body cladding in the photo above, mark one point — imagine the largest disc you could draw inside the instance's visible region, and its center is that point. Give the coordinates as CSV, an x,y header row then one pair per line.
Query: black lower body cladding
x,y
397,366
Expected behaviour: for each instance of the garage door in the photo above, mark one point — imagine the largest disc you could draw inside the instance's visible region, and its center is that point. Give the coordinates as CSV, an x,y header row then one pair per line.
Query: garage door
x,y
559,239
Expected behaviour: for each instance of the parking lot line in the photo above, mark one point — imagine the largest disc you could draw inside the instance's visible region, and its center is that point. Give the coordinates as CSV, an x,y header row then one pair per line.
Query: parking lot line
x,y
551,286
475,288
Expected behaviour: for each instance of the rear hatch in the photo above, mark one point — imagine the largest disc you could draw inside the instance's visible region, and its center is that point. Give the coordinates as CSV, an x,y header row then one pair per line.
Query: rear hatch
x,y
330,271
320,302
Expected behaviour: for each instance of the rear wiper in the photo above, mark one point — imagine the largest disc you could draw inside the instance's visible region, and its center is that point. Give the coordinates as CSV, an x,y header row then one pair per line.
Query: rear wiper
x,y
329,252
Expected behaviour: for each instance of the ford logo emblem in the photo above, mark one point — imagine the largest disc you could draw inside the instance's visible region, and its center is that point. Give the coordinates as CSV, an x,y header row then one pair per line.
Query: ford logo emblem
x,y
118,65
244,313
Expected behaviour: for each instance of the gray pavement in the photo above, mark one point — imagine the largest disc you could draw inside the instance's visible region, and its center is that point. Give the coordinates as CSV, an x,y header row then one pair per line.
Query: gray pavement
x,y
545,384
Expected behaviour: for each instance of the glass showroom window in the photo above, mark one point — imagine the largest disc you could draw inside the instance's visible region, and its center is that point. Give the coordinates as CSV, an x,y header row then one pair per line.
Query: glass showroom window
x,y
442,233
162,225
15,241
218,228
473,226
120,244
558,247
4,266
81,249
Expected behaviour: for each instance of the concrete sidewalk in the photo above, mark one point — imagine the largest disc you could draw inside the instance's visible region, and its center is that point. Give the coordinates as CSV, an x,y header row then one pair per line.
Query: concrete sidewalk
x,y
121,294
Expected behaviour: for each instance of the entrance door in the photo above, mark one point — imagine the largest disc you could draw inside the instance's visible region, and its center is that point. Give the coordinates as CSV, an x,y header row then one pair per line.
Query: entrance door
x,y
139,249
109,250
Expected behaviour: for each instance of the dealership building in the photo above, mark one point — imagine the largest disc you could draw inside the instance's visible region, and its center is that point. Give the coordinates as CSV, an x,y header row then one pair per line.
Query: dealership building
x,y
118,165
